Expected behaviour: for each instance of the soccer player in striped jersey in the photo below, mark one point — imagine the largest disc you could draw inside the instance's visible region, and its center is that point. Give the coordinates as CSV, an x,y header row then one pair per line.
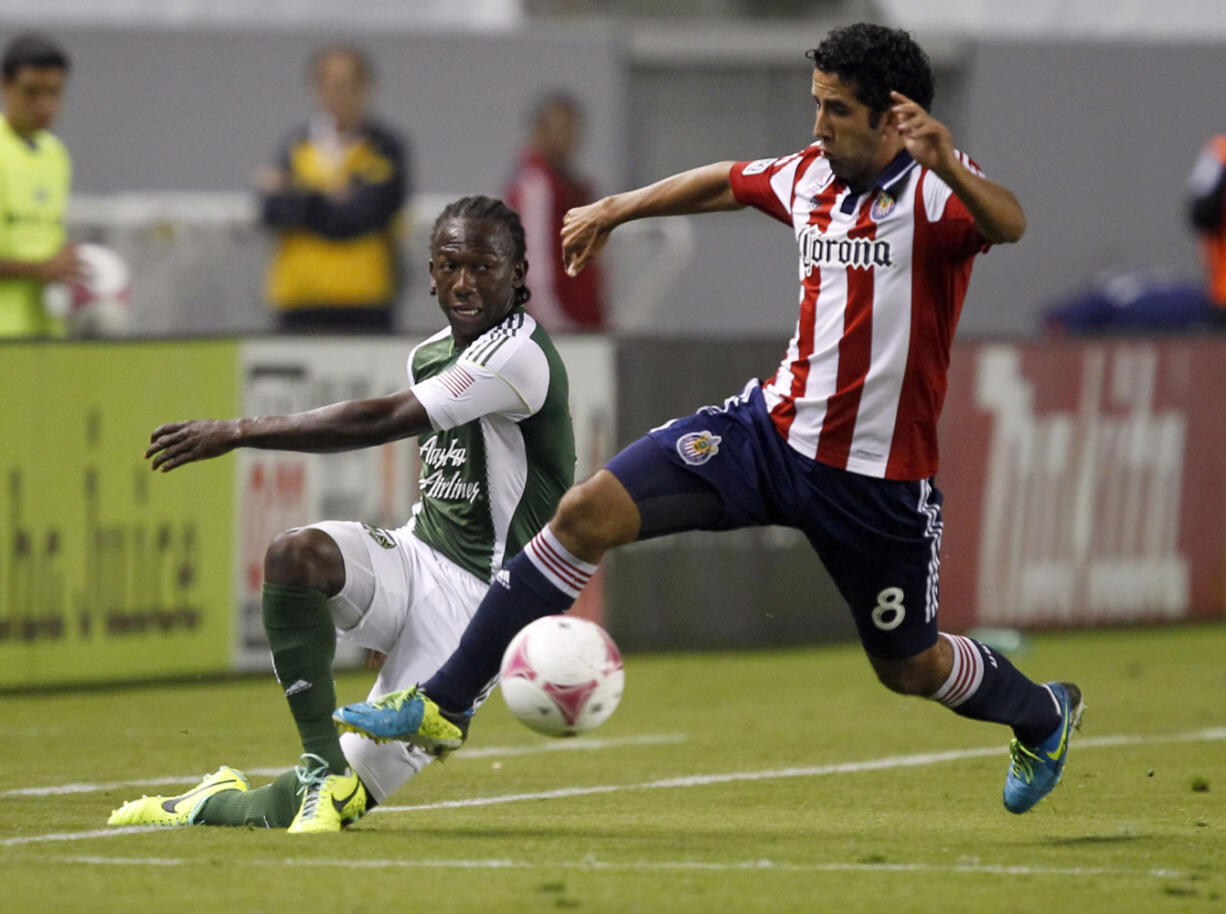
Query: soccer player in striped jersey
x,y
488,401
841,441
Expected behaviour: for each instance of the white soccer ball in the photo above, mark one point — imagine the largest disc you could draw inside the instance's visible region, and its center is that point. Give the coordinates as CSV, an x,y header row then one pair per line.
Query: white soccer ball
x,y
97,304
562,675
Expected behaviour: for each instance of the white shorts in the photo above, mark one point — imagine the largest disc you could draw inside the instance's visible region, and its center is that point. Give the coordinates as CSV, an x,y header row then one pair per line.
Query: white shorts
x,y
405,600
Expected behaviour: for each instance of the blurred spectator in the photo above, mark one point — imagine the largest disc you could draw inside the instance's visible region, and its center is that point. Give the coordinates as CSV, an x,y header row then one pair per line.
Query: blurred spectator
x,y
334,199
542,188
1207,202
1137,301
35,174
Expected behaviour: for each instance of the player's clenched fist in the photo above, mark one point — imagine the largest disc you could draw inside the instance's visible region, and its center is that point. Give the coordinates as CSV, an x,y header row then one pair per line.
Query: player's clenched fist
x,y
927,139
584,233
178,443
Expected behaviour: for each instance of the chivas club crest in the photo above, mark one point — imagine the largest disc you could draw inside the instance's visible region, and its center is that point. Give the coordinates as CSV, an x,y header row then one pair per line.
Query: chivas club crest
x,y
698,447
882,207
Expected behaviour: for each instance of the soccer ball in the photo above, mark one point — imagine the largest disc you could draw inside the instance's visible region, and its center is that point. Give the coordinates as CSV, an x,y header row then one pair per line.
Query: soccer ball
x,y
562,675
96,305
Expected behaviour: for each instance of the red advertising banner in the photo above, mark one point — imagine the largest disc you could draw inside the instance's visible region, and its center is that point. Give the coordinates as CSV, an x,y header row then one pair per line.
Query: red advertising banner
x,y
1084,483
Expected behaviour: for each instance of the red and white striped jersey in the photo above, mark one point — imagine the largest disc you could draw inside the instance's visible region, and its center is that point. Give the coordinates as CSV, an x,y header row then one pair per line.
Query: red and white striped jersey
x,y
882,277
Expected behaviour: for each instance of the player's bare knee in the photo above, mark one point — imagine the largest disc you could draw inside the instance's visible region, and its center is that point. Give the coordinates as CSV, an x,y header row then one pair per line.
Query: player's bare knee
x,y
901,680
908,676
305,557
594,516
576,522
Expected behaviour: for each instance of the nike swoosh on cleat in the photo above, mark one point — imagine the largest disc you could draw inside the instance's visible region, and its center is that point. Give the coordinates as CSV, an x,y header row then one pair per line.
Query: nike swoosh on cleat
x,y
339,805
1064,728
169,805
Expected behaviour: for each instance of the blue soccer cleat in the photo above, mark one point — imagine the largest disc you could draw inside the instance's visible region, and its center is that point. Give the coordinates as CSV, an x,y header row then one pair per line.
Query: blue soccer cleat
x,y
408,716
1033,772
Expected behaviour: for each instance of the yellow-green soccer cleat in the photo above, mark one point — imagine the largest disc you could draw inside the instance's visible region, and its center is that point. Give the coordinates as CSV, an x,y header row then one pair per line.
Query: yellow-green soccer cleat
x,y
330,802
409,716
180,810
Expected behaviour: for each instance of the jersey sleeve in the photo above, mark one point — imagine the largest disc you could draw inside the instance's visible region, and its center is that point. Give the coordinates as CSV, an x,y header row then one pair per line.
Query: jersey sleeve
x,y
284,208
767,184
950,222
512,382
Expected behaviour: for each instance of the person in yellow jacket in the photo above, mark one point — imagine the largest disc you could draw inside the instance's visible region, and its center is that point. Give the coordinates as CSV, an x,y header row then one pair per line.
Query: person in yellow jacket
x,y
35,174
334,200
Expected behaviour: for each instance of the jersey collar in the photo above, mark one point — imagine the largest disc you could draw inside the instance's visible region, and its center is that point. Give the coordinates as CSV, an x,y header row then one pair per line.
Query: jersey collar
x,y
30,142
889,180
894,175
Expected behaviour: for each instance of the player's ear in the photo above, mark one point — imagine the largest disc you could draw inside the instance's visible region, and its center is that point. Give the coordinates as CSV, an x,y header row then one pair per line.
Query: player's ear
x,y
519,273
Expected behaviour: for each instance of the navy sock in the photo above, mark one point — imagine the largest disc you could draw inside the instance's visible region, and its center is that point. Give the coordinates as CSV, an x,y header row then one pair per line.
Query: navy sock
x,y
542,580
984,685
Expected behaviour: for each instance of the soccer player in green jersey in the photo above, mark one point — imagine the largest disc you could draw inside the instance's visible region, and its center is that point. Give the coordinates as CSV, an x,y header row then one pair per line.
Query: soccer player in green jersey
x,y
488,401
35,173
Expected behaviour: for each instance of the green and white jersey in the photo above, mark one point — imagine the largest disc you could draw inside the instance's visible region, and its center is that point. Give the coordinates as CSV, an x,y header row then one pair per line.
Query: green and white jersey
x,y
34,180
502,449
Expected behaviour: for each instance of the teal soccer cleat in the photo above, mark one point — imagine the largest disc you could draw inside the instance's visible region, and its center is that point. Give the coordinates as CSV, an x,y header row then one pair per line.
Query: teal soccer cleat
x,y
408,716
1033,772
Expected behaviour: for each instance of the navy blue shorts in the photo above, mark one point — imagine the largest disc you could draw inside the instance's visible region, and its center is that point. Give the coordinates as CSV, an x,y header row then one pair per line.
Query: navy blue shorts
x,y
728,467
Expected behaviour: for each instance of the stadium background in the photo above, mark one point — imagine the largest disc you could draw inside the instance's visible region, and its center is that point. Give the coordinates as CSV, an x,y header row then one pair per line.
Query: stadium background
x,y
1084,477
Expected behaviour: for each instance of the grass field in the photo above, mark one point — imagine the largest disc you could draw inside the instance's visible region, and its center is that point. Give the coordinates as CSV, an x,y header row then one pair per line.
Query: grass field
x,y
783,781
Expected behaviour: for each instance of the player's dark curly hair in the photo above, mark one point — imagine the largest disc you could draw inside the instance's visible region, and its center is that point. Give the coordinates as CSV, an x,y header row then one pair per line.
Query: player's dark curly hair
x,y
33,49
876,60
492,209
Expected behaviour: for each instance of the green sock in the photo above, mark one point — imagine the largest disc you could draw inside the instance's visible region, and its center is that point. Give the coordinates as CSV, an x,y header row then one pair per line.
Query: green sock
x,y
302,637
271,806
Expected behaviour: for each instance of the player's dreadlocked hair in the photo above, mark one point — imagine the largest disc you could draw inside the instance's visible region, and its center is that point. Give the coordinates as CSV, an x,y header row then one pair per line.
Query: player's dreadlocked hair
x,y
483,208
876,60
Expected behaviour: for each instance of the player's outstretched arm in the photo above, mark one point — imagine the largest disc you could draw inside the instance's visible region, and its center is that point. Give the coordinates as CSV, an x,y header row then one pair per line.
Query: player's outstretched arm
x,y
585,229
62,266
342,426
997,213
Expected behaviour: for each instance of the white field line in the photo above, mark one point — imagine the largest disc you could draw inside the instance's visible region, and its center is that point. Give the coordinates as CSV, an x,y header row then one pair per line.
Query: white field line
x,y
897,761
567,745
592,864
